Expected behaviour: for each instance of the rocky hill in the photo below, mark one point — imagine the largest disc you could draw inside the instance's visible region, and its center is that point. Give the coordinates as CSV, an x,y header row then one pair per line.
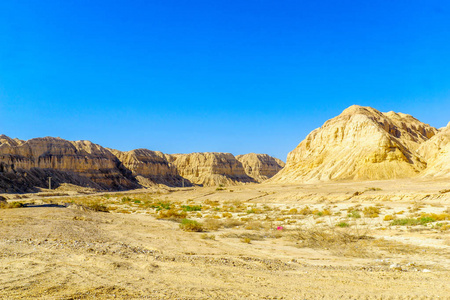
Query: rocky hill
x,y
210,168
26,165
436,152
150,167
260,166
359,144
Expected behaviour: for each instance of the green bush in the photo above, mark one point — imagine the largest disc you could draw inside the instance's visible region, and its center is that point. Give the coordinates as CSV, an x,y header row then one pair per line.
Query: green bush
x,y
342,224
191,208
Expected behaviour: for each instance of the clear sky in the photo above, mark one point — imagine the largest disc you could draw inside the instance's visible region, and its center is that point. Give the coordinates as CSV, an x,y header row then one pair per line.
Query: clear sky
x,y
216,75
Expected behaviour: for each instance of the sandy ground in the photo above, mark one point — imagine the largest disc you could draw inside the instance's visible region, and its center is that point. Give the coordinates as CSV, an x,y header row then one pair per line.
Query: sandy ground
x,y
56,251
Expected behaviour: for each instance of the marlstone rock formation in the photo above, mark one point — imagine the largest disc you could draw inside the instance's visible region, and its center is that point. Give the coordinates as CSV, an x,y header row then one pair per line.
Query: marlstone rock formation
x,y
436,151
150,167
210,168
362,144
260,166
26,164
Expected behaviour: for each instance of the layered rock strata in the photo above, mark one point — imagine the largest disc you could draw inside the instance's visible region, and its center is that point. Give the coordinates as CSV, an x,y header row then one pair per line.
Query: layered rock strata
x,y
151,167
210,168
361,144
24,164
260,166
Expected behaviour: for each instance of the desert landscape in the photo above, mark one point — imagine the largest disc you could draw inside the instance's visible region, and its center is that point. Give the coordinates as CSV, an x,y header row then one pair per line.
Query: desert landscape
x,y
360,210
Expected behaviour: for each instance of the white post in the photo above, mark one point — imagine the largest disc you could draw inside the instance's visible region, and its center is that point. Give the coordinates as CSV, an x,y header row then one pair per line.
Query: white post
x,y
49,183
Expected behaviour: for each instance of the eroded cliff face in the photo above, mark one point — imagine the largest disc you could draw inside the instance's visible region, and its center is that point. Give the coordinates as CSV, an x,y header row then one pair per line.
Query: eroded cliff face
x,y
361,143
210,168
81,162
260,166
436,151
150,167
26,165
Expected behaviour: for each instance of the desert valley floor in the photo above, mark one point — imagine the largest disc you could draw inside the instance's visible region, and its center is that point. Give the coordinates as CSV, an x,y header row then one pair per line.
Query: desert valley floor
x,y
340,240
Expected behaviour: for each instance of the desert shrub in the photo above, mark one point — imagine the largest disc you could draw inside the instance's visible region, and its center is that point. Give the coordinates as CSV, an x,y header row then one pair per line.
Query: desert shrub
x,y
191,225
371,212
322,213
97,207
405,222
171,214
230,223
388,218
354,214
423,220
126,199
162,205
212,224
227,215
436,217
211,202
254,225
293,211
206,236
444,227
305,211
342,224
326,238
246,240
6,205
191,208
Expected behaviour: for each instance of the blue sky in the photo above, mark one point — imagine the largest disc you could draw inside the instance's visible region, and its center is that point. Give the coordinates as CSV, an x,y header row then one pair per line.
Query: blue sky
x,y
227,76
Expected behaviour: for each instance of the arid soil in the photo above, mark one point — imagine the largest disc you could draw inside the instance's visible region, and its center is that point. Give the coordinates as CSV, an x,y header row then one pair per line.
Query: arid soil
x,y
342,240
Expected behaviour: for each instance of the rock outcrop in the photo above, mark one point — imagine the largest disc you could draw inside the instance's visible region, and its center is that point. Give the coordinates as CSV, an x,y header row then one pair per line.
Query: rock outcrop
x,y
436,151
362,144
26,164
151,167
260,166
210,168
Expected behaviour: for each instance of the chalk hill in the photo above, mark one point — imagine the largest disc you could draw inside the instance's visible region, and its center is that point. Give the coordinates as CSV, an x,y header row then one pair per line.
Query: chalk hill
x,y
359,144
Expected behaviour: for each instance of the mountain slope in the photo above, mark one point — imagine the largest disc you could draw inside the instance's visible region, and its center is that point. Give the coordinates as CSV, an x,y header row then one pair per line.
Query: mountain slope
x,y
436,151
361,143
